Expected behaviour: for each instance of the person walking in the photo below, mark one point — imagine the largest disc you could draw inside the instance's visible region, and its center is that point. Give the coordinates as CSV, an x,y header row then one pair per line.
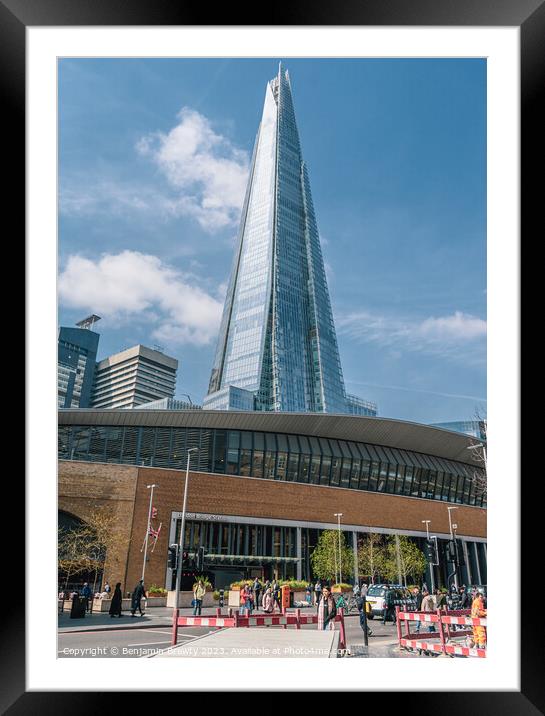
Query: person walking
x,y
199,590
136,601
268,604
86,594
308,595
464,597
317,592
388,610
276,596
361,603
257,587
440,599
117,602
478,611
107,589
428,605
327,611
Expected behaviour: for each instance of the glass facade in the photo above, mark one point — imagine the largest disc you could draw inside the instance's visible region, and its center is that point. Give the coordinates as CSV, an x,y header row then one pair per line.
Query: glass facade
x,y
76,360
277,456
277,338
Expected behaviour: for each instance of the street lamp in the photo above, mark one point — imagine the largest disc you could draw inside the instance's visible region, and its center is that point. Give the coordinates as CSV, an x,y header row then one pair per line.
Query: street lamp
x,y
453,538
427,523
147,528
338,515
182,530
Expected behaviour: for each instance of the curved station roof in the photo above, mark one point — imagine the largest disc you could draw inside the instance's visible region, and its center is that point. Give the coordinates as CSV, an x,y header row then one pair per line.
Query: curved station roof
x,y
376,431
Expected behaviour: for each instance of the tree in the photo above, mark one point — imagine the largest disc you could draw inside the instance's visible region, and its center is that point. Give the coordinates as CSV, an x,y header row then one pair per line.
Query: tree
x,y
404,558
372,555
325,556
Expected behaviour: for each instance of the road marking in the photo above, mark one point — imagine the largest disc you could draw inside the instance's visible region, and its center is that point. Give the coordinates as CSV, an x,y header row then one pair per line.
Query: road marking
x,y
150,643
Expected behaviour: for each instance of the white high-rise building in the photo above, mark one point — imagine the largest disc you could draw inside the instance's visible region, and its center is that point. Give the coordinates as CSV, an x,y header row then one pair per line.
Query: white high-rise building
x,y
134,376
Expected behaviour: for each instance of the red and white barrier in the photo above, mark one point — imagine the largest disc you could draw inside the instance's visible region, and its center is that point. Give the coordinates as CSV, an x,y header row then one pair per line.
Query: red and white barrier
x,y
443,634
235,620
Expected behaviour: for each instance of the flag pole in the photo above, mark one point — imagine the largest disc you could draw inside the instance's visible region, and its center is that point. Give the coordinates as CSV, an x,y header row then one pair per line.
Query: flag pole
x,y
147,530
156,537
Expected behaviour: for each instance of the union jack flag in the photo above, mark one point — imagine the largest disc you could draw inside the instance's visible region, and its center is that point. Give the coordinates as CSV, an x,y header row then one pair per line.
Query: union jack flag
x,y
154,533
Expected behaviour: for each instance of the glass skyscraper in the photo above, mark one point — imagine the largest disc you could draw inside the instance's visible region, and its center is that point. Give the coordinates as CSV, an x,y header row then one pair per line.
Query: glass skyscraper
x,y
277,343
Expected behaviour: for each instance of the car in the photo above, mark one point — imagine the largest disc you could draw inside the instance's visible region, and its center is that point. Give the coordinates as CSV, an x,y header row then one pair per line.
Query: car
x,y
376,596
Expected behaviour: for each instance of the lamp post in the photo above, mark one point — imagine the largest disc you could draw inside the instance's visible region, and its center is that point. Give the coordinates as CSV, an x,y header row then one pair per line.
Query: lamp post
x,y
147,529
432,577
338,515
182,530
453,538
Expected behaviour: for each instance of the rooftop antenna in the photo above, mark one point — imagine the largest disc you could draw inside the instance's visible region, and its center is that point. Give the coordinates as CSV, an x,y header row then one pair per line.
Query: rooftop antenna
x,y
88,322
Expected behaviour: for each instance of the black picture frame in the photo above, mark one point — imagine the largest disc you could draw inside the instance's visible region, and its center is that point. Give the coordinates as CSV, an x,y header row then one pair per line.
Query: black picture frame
x,y
529,16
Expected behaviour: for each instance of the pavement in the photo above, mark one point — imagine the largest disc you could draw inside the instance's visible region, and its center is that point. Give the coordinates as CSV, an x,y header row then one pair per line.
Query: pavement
x,y
99,634
259,642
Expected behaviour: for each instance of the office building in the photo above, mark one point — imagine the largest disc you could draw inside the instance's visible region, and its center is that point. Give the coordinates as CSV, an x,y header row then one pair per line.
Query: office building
x,y
277,339
76,358
134,376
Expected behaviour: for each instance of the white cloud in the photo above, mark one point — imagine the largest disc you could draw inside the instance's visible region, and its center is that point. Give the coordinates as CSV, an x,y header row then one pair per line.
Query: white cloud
x,y
444,335
207,171
204,177
131,286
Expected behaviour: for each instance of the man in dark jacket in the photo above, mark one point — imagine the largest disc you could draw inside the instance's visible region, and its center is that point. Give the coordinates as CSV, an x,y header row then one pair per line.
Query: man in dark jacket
x,y
257,592
464,598
418,606
137,595
389,609
86,594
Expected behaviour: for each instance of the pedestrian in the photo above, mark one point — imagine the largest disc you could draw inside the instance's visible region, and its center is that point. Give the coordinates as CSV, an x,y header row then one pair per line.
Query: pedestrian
x,y
199,590
249,599
389,609
309,594
107,589
361,603
418,597
464,597
428,605
440,599
327,610
317,591
117,601
86,594
356,590
268,604
257,591
136,602
276,596
478,611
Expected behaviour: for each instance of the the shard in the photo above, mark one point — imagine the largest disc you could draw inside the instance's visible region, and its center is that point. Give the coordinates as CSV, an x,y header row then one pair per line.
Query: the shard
x,y
277,348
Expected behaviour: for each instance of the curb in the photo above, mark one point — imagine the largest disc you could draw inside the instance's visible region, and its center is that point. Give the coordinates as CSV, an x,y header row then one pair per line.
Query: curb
x,y
103,627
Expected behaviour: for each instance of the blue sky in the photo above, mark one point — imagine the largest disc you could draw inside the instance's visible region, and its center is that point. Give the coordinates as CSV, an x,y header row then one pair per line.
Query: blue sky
x,y
153,158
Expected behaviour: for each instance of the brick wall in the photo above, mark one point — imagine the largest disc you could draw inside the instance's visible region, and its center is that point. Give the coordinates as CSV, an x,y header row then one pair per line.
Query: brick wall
x,y
231,495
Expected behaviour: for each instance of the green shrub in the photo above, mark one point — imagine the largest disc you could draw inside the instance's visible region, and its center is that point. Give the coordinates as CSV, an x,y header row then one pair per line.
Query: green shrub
x,y
154,589
342,586
216,595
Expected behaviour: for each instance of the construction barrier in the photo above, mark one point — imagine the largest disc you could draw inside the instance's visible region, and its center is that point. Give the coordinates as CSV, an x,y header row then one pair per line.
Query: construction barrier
x,y
439,640
235,620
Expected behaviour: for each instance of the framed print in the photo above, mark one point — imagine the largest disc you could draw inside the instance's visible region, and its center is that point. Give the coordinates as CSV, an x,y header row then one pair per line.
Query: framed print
x,y
219,440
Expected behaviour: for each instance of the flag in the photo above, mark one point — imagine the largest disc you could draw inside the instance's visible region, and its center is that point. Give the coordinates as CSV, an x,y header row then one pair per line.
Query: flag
x,y
153,513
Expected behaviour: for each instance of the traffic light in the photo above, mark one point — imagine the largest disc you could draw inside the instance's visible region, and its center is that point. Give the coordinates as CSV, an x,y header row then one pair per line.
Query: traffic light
x,y
172,556
460,559
200,559
451,551
430,550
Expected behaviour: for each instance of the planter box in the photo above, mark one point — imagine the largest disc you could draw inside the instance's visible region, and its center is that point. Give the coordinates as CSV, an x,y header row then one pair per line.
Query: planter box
x,y
187,597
